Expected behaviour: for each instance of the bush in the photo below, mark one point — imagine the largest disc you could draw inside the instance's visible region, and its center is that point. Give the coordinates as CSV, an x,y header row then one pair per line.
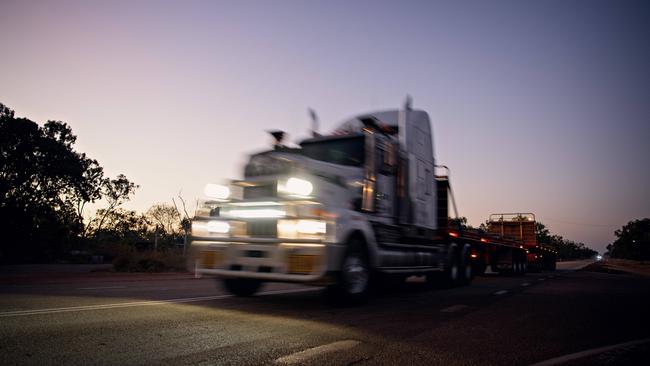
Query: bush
x,y
132,261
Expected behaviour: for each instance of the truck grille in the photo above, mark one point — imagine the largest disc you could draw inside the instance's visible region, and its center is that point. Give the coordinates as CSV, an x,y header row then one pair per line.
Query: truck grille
x,y
262,228
261,191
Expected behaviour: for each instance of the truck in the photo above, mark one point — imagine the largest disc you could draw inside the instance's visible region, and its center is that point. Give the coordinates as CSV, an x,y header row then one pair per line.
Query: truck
x,y
350,210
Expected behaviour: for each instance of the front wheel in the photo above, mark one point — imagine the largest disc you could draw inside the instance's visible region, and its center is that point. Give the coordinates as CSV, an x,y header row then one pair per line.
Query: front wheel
x,y
353,283
241,286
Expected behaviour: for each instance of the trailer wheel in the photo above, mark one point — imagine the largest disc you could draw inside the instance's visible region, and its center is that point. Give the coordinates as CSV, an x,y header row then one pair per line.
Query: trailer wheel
x,y
242,287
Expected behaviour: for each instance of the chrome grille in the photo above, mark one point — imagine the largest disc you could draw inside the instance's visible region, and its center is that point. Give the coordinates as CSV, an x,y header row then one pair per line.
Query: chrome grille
x,y
262,228
261,191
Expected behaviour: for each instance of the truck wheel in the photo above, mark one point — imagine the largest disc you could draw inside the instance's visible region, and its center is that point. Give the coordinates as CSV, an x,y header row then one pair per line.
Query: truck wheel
x,y
465,275
451,276
241,286
353,283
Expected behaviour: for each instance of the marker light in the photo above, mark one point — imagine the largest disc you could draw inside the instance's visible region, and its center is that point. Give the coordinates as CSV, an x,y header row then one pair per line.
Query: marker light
x,y
217,191
220,227
297,186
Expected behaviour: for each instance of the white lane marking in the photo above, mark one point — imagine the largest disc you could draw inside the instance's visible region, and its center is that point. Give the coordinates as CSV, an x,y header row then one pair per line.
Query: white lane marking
x,y
101,288
589,352
501,292
454,308
541,279
302,356
138,303
525,284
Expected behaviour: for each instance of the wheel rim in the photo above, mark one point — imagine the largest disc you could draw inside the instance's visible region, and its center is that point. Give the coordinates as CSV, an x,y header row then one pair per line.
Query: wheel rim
x,y
453,272
356,274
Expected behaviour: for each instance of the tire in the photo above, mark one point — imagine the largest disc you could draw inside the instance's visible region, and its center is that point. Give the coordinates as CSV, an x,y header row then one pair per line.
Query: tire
x,y
354,280
451,276
466,273
242,287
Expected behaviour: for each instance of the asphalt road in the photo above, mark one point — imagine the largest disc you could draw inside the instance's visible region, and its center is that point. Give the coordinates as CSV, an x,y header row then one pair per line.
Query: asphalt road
x,y
179,320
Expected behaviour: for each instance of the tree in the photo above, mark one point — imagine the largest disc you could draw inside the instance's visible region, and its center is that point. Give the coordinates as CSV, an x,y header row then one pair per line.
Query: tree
x,y
119,226
167,219
44,186
116,191
632,241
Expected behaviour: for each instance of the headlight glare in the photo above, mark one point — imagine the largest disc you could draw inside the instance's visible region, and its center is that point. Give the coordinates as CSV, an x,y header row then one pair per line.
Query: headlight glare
x,y
301,229
218,227
217,191
297,186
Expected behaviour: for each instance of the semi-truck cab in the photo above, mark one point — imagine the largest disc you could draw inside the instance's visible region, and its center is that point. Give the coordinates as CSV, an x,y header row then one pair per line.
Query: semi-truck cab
x,y
341,210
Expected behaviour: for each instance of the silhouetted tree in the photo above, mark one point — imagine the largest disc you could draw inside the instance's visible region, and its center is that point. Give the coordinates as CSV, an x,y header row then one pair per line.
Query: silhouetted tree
x,y
633,241
44,186
119,226
167,219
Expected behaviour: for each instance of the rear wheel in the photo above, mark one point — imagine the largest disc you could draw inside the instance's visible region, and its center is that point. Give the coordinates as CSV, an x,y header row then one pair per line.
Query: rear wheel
x,y
465,277
451,276
241,286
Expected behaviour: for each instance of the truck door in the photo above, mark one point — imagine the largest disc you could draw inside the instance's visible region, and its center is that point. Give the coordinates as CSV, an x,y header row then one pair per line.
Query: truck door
x,y
379,184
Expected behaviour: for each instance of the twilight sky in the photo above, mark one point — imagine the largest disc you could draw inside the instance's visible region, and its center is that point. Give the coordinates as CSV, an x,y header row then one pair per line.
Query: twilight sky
x,y
537,106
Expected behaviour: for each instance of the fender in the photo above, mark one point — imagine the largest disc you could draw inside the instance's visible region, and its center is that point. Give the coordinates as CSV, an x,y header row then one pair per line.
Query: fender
x,y
350,223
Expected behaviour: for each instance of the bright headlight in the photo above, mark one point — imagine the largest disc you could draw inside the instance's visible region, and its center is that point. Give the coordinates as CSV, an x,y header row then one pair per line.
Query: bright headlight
x,y
294,229
297,186
217,191
219,227
210,228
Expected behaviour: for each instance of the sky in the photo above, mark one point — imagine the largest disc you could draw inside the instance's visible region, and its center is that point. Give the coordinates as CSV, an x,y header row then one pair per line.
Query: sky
x,y
537,106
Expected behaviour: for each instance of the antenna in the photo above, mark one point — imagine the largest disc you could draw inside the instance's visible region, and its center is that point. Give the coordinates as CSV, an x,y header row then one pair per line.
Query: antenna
x,y
314,122
408,102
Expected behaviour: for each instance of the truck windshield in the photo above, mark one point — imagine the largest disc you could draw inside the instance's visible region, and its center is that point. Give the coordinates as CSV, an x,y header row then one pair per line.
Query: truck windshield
x,y
345,151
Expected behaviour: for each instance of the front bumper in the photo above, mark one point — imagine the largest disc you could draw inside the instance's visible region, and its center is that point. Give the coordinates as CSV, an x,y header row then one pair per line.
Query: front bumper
x,y
281,260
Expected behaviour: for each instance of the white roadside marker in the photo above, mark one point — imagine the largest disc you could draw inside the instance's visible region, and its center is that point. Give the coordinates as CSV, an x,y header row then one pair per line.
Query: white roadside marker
x,y
303,356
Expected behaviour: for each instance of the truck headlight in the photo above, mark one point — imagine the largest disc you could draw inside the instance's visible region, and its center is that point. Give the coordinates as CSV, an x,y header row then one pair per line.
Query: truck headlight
x,y
296,186
217,191
218,227
210,228
301,229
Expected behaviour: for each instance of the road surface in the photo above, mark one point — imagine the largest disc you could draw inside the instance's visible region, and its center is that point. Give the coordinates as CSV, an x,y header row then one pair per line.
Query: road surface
x,y
178,320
